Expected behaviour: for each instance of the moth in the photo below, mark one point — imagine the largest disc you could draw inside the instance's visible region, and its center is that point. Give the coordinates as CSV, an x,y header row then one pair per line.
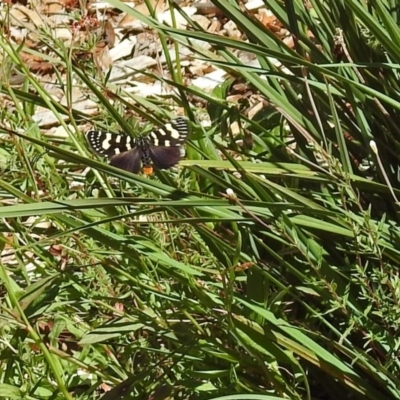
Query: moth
x,y
161,149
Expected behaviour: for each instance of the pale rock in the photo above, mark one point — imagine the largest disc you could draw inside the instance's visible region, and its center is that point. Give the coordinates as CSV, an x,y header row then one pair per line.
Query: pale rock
x,y
54,90
58,132
31,222
254,4
215,26
255,109
183,53
200,44
18,34
180,21
235,128
63,34
210,81
76,185
123,49
203,21
131,23
126,68
76,96
145,90
234,98
61,18
232,30
45,118
102,5
87,106
280,66
23,16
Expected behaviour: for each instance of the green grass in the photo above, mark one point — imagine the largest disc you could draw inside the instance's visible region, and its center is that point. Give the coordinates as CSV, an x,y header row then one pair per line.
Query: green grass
x,y
127,286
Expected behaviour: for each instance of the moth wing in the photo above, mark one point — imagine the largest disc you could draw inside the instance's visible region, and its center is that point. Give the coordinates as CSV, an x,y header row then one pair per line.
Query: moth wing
x,y
164,157
173,133
129,160
108,144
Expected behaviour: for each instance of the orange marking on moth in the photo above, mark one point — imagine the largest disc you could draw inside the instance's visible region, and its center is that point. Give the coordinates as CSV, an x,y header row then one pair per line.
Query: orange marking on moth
x,y
147,170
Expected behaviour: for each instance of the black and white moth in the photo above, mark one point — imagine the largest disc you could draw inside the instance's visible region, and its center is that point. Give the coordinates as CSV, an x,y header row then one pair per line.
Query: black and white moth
x,y
162,148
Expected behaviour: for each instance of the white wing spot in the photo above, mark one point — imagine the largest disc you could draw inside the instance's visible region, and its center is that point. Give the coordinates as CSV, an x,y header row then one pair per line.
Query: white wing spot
x,y
167,143
154,138
106,142
118,139
175,134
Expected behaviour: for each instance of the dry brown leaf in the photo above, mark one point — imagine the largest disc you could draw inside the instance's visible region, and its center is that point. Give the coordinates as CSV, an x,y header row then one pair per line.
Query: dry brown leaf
x,y
123,48
215,26
254,5
207,8
148,44
128,21
36,64
232,30
255,109
101,57
203,21
50,7
69,4
23,2
109,34
24,17
105,388
269,20
86,24
56,250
